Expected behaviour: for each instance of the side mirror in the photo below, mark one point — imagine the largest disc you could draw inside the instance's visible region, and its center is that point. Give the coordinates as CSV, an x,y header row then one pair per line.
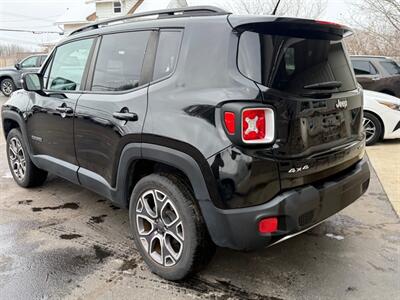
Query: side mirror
x,y
18,66
32,82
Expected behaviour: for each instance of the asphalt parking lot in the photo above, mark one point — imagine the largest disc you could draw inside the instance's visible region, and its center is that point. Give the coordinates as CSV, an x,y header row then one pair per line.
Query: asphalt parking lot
x,y
62,241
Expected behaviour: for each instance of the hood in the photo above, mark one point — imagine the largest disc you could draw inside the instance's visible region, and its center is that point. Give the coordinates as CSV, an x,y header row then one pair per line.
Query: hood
x,y
381,96
7,69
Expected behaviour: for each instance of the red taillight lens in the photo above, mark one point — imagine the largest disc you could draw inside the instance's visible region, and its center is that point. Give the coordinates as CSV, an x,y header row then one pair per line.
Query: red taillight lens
x,y
253,124
268,225
229,120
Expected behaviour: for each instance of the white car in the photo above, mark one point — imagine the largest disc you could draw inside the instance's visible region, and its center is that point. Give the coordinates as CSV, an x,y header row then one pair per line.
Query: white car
x,y
381,116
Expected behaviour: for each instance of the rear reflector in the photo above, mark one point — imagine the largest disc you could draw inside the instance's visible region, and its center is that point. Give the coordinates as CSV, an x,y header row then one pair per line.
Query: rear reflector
x,y
229,120
268,225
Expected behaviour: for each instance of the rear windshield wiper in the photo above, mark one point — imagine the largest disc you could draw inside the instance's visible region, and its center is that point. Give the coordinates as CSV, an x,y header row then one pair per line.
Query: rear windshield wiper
x,y
328,85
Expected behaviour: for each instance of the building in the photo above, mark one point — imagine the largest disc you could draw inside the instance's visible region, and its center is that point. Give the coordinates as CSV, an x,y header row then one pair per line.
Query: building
x,y
93,10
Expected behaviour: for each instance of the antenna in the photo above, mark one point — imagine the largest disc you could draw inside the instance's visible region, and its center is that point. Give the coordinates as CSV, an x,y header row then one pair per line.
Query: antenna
x,y
276,7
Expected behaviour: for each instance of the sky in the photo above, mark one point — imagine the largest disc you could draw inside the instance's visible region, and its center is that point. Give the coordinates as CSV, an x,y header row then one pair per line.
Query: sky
x,y
40,15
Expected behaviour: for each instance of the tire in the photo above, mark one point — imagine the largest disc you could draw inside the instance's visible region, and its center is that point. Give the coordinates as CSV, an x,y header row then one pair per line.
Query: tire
x,y
373,128
171,235
24,172
7,86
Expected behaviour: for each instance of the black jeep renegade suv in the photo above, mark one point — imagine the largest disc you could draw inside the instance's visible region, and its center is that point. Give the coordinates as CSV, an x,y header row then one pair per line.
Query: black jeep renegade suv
x,y
213,129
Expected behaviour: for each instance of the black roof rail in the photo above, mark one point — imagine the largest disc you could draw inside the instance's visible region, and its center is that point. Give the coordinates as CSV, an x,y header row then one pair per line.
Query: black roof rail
x,y
162,13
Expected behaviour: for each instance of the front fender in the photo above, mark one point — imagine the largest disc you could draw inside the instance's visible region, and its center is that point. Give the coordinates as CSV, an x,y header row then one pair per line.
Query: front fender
x,y
14,75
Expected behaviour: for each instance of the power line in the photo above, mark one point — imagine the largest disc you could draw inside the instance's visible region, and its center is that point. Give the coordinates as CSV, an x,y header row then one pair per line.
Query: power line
x,y
30,31
44,19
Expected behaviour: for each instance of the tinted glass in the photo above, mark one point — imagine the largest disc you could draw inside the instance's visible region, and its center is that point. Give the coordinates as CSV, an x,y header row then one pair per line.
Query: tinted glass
x,y
363,67
68,66
31,62
290,63
119,62
391,67
42,59
167,53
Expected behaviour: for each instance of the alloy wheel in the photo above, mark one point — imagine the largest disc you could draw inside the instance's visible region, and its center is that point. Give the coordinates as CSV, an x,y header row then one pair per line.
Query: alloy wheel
x,y
160,227
370,129
6,87
16,155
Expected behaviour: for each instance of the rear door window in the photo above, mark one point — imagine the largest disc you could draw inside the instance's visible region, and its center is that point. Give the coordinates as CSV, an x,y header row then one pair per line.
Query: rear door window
x,y
363,67
119,62
167,53
290,63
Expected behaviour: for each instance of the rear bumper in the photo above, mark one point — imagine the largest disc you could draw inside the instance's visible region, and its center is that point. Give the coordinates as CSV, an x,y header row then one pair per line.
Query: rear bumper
x,y
297,210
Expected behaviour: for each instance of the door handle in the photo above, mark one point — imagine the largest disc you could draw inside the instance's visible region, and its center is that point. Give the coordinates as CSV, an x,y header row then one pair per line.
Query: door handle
x,y
65,109
126,116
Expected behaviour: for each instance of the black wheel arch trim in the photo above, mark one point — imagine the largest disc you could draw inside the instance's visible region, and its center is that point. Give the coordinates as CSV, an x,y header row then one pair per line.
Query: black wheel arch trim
x,y
15,115
158,149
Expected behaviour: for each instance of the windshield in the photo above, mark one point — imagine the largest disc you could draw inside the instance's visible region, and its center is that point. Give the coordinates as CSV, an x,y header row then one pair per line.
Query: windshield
x,y
293,63
391,67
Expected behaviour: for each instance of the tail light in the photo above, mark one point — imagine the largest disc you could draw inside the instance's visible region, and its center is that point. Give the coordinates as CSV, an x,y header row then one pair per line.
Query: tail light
x,y
229,120
249,125
329,23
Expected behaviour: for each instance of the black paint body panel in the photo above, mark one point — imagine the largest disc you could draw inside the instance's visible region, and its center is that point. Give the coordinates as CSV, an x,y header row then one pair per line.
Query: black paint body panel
x,y
179,124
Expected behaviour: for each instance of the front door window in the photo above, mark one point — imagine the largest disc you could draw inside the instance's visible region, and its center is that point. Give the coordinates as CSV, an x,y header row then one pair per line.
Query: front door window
x,y
69,65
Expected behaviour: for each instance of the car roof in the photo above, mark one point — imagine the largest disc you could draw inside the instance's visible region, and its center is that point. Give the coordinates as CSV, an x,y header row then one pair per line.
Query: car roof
x,y
159,18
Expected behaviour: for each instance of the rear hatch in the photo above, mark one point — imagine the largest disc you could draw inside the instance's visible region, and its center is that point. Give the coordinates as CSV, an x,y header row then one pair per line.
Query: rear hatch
x,y
302,69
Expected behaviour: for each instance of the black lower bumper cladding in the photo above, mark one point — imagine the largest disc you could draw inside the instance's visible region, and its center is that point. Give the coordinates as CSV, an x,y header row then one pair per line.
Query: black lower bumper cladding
x,y
297,210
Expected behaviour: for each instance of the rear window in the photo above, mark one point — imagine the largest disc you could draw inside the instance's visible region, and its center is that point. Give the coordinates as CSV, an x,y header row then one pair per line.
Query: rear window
x,y
290,63
391,67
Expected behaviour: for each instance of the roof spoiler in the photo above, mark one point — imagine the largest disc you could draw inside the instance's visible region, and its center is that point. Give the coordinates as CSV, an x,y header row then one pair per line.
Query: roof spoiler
x,y
295,27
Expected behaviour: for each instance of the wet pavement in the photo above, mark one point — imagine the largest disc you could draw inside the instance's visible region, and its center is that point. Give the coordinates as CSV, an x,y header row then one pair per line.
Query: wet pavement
x,y
60,241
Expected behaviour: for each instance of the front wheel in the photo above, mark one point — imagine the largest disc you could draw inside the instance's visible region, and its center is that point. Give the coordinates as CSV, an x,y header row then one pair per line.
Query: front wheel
x,y
372,127
7,86
168,228
25,173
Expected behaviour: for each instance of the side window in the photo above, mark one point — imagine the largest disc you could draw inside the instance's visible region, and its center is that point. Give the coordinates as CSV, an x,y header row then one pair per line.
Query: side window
x,y
119,62
68,65
30,62
167,53
363,67
249,55
41,61
117,7
391,67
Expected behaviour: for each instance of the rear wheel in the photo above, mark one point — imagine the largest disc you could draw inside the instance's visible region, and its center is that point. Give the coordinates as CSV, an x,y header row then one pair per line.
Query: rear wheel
x,y
24,172
373,128
168,228
7,86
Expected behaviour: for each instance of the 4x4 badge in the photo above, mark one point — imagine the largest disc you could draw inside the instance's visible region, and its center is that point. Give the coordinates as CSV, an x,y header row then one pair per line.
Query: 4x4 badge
x,y
341,104
299,169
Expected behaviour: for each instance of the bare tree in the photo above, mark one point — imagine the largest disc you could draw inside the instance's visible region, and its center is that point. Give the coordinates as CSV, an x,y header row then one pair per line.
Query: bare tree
x,y
297,8
10,49
377,24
